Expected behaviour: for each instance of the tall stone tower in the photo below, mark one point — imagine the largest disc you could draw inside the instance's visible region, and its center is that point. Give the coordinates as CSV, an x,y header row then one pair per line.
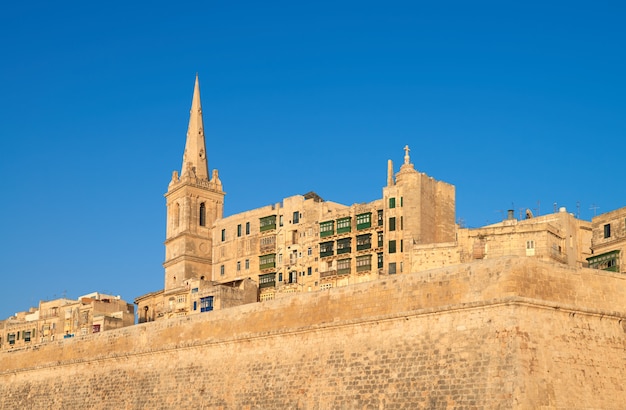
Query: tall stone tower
x,y
194,203
419,209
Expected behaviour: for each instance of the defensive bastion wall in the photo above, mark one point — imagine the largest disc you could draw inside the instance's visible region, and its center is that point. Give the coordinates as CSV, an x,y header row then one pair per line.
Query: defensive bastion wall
x,y
507,333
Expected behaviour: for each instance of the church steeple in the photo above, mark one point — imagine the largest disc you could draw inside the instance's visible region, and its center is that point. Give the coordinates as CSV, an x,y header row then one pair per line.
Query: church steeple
x,y
194,203
194,158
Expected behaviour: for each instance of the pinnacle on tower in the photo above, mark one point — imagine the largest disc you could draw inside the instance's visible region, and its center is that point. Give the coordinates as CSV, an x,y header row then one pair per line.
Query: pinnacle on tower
x,y
194,158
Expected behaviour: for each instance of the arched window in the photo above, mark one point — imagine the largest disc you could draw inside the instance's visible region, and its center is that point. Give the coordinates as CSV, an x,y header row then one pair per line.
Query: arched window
x,y
202,214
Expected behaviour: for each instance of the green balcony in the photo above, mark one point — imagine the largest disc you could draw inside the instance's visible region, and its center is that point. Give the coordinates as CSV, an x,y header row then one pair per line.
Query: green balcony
x,y
326,253
267,223
364,268
344,271
344,225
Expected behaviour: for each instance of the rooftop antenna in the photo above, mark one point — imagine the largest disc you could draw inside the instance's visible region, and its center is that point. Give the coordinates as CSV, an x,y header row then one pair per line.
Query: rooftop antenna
x,y
521,213
594,208
578,209
538,209
555,207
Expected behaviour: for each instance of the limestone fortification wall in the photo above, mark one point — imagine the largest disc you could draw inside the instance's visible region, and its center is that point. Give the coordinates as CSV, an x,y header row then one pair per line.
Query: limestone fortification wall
x,y
507,333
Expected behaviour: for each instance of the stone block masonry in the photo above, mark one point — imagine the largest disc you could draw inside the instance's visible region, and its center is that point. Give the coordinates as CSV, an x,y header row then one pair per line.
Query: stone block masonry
x,y
512,333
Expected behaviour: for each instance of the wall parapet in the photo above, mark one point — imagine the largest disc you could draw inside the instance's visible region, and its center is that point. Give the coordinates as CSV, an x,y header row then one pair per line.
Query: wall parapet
x,y
503,333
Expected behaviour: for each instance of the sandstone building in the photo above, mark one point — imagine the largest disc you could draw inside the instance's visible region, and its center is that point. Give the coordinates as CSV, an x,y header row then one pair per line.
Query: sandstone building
x,y
65,318
608,243
305,243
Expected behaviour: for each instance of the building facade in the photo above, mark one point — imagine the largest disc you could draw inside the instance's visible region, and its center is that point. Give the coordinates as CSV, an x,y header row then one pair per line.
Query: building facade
x,y
65,318
559,237
608,242
302,243
305,243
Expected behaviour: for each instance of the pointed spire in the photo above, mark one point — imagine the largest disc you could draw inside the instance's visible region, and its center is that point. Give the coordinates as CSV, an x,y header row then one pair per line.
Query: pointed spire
x,y
194,158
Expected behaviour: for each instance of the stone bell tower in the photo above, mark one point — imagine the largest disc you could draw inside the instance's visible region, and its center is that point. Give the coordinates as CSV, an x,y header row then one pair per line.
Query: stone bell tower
x,y
194,203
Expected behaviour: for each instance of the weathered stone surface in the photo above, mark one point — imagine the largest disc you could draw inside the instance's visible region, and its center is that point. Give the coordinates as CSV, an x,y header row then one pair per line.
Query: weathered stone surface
x,y
507,333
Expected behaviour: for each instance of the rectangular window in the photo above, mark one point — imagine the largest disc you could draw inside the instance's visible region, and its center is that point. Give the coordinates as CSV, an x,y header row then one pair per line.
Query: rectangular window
x,y
247,228
223,235
222,270
392,268
296,217
267,261
195,305
380,217
309,271
238,266
326,248
181,299
401,245
530,244
392,223
392,246
293,277
364,221
380,260
343,267
607,230
401,202
247,264
267,223
363,242
27,335
309,251
327,228
344,245
344,225
239,230
206,304
364,263
280,221
392,202
401,223
267,243
267,281
380,239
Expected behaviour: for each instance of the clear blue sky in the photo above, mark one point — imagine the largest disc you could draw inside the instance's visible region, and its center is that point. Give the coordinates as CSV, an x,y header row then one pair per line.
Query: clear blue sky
x,y
518,104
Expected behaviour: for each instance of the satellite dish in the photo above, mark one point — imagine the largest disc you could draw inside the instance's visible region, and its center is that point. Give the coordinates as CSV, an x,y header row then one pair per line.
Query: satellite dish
x,y
529,214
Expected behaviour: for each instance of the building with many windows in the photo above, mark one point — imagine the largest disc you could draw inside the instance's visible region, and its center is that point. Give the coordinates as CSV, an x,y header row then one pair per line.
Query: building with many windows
x,y
302,243
305,243
65,318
